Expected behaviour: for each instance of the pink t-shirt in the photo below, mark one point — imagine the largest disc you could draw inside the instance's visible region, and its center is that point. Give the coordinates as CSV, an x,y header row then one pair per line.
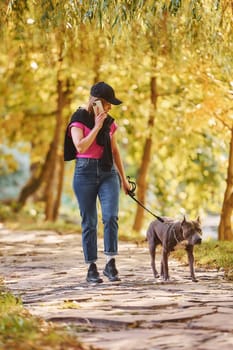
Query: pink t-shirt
x,y
94,151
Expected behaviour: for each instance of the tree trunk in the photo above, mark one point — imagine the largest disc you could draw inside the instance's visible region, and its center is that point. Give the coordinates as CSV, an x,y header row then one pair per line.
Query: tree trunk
x,y
225,229
98,59
50,177
97,65
34,182
54,183
61,168
146,156
51,186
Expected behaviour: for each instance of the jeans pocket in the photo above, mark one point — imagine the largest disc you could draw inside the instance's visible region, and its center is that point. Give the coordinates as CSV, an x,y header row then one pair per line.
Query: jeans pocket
x,y
82,163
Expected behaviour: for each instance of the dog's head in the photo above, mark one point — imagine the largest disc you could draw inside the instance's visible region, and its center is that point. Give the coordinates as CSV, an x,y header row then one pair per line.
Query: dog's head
x,y
192,231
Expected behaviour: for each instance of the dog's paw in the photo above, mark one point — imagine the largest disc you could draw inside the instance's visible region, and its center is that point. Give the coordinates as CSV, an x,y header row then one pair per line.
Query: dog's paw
x,y
194,280
166,279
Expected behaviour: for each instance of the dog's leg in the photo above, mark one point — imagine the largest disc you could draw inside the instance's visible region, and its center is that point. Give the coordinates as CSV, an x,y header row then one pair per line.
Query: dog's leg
x,y
152,249
164,265
161,268
189,249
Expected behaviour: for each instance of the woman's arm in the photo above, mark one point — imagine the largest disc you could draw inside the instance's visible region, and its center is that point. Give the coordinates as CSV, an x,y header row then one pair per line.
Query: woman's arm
x,y
119,164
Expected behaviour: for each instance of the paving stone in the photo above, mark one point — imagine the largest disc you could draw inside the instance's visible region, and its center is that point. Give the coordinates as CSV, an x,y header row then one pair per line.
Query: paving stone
x,y
47,271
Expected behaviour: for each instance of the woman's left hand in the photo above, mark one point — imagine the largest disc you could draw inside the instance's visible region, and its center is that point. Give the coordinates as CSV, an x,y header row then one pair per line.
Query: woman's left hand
x,y
126,185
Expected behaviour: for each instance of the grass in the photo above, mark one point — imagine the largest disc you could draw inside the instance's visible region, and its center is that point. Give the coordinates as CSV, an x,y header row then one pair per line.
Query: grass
x,y
21,331
212,254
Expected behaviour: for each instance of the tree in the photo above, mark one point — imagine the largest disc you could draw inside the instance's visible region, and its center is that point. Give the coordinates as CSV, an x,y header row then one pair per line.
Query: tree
x,y
200,21
57,26
225,226
168,59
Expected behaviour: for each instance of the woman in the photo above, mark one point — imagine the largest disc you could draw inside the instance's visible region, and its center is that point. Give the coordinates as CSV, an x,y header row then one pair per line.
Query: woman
x,y
90,138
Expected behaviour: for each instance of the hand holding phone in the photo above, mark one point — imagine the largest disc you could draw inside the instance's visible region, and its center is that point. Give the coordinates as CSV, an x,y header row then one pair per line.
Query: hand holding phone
x,y
98,107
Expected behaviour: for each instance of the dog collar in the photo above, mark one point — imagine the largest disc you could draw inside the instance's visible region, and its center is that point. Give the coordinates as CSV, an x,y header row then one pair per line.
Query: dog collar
x,y
174,232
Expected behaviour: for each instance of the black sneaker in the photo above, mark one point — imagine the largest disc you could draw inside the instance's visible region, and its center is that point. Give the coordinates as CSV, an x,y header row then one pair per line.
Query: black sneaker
x,y
93,275
110,271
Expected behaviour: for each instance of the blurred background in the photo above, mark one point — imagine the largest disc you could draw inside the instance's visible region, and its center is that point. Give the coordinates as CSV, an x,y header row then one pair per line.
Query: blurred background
x,y
171,64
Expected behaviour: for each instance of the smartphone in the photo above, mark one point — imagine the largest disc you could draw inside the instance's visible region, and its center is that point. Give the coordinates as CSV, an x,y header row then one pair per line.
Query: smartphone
x,y
98,107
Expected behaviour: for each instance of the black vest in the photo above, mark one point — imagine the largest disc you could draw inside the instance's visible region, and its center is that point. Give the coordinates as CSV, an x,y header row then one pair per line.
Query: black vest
x,y
102,138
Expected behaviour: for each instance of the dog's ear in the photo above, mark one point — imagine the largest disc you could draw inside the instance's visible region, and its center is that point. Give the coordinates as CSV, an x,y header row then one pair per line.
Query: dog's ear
x,y
198,219
184,220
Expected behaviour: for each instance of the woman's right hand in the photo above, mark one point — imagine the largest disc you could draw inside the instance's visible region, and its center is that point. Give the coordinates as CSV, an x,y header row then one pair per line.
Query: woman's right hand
x,y
99,120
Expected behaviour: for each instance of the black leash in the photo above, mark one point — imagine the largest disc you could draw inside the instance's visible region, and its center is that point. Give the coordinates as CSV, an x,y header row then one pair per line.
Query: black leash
x,y
131,193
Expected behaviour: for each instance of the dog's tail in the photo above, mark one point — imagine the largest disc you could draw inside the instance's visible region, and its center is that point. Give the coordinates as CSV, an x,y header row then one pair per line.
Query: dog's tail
x,y
141,242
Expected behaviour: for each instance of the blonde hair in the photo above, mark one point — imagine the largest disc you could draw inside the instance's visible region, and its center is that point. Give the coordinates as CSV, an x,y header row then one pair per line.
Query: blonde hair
x,y
90,104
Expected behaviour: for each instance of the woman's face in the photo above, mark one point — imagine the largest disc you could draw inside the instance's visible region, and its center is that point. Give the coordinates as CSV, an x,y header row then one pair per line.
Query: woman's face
x,y
106,105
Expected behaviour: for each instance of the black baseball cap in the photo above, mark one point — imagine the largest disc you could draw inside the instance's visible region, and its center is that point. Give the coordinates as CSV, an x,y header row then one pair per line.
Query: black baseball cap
x,y
105,91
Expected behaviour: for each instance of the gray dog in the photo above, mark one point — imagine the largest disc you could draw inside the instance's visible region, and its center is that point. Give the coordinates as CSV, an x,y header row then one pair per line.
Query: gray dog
x,y
169,233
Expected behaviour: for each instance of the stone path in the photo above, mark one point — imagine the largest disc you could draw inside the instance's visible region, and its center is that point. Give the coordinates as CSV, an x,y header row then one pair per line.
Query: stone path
x,y
46,269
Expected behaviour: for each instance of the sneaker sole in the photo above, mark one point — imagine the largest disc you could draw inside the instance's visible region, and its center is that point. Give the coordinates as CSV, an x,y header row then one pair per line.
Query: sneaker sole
x,y
94,281
113,279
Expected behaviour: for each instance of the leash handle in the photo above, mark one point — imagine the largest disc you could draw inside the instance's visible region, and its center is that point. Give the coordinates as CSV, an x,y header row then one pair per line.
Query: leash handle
x,y
133,186
131,193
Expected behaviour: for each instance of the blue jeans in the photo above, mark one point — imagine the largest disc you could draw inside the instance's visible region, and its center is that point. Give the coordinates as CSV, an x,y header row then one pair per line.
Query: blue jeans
x,y
90,183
